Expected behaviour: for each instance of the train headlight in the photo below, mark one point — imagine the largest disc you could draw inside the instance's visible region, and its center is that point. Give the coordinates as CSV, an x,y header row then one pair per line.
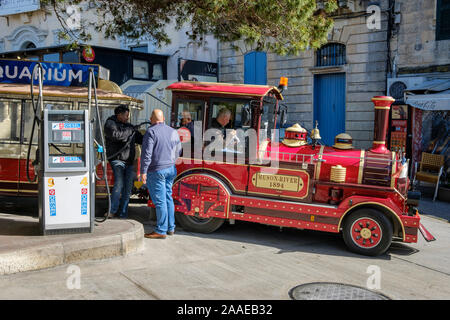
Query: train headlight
x,y
404,171
402,181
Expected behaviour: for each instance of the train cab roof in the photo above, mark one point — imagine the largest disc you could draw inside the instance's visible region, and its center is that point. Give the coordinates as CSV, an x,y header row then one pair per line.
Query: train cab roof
x,y
227,89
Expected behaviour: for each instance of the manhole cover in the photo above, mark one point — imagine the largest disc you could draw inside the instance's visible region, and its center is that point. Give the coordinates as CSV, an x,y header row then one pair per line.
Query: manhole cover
x,y
333,291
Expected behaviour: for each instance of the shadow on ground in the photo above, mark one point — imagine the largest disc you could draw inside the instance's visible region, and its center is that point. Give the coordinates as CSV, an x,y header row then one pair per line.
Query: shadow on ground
x,y
284,239
12,227
26,206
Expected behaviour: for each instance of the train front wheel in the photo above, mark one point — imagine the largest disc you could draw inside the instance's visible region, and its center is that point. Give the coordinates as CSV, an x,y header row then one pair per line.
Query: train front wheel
x,y
200,225
367,231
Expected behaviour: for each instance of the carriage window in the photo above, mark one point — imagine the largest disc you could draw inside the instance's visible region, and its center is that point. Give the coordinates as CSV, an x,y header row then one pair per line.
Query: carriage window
x,y
235,107
189,111
10,112
57,105
28,124
29,117
105,111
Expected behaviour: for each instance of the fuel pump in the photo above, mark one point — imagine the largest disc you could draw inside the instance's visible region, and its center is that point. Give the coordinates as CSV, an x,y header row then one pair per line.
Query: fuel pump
x,y
66,176
65,163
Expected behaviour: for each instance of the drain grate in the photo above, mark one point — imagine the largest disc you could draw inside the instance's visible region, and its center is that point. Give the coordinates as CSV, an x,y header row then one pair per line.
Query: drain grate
x,y
333,291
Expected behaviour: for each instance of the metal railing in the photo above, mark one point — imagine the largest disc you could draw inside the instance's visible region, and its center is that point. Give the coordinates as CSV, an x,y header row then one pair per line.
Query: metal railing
x,y
300,158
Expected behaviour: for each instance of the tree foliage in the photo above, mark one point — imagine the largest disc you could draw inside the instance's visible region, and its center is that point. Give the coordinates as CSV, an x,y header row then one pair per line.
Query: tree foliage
x,y
283,27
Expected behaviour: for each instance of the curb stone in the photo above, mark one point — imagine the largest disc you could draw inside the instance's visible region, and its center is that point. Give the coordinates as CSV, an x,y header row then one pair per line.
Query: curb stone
x,y
73,250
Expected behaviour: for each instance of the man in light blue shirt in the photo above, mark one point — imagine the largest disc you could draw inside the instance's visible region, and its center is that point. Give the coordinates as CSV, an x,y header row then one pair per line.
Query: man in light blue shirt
x,y
161,147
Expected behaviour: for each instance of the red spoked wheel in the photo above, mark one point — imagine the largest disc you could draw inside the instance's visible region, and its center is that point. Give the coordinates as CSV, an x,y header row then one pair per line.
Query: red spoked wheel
x,y
367,231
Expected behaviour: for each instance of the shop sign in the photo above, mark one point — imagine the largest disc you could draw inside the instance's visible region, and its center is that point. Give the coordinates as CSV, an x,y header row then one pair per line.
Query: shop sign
x,y
55,74
202,71
88,54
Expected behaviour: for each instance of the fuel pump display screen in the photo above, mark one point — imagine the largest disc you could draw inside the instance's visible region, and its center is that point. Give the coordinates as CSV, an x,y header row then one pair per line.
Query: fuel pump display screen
x,y
67,159
66,140
66,132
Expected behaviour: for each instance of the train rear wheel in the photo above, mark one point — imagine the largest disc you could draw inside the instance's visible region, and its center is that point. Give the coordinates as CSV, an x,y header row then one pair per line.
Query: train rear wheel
x,y
368,232
200,225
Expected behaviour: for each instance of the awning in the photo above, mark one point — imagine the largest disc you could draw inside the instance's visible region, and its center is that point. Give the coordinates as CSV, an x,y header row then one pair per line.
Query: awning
x,y
430,102
431,95
137,91
64,92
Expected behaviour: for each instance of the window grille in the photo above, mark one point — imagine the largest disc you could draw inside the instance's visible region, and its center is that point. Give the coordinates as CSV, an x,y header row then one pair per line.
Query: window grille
x,y
332,54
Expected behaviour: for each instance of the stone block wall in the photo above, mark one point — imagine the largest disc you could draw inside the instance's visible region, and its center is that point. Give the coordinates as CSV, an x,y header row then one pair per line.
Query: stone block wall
x,y
415,45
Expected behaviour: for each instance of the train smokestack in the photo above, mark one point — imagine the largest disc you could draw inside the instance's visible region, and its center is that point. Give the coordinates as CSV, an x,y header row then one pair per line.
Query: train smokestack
x,y
382,106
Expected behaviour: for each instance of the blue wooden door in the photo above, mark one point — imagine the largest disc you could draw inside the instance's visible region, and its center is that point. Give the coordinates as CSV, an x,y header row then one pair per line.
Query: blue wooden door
x,y
329,105
255,65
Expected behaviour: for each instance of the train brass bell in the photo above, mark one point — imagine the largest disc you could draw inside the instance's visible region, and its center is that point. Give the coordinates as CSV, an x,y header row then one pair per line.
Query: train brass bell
x,y
315,133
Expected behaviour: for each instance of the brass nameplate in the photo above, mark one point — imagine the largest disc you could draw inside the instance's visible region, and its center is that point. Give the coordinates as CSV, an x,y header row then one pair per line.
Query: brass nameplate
x,y
277,181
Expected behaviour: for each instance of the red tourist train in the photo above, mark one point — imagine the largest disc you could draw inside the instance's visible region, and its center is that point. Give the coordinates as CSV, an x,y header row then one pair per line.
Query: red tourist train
x,y
361,193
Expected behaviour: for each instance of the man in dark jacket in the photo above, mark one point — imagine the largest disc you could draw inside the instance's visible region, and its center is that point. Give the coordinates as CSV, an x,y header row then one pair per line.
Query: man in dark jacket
x,y
121,138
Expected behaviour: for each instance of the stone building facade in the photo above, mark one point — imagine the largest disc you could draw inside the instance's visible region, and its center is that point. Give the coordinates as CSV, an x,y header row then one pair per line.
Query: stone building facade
x,y
363,71
418,45
41,28
38,27
408,46
420,77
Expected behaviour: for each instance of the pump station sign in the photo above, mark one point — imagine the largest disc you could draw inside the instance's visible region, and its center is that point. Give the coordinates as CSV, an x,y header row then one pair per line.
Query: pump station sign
x,y
55,74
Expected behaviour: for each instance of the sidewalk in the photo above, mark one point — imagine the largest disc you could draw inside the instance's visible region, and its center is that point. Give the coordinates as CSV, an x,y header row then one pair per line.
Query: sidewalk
x,y
22,248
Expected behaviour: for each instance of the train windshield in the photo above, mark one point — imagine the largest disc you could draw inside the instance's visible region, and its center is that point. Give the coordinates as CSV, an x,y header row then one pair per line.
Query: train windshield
x,y
268,118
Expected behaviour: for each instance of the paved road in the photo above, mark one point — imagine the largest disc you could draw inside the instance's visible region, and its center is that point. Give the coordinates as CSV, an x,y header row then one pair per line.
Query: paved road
x,y
243,261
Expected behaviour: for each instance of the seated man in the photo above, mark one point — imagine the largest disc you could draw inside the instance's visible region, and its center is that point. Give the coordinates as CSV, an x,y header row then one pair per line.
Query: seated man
x,y
220,122
186,121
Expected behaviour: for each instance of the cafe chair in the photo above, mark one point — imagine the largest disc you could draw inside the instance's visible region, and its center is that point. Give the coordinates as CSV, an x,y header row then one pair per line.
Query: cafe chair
x,y
430,170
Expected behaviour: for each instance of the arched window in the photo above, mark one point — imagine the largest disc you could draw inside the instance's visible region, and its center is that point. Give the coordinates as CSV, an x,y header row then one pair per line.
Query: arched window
x,y
332,54
28,45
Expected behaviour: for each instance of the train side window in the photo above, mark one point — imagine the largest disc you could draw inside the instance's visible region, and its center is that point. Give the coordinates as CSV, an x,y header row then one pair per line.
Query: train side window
x,y
268,118
10,114
236,108
189,111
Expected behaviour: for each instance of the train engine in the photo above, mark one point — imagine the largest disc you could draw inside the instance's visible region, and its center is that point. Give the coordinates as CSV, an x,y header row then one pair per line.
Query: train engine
x,y
296,182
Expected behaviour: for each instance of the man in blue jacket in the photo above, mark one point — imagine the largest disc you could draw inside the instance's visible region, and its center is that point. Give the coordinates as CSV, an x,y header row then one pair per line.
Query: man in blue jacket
x,y
161,147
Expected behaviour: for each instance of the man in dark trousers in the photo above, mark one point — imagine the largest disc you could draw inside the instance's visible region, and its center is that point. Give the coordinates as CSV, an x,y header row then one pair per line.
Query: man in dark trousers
x,y
161,147
121,137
